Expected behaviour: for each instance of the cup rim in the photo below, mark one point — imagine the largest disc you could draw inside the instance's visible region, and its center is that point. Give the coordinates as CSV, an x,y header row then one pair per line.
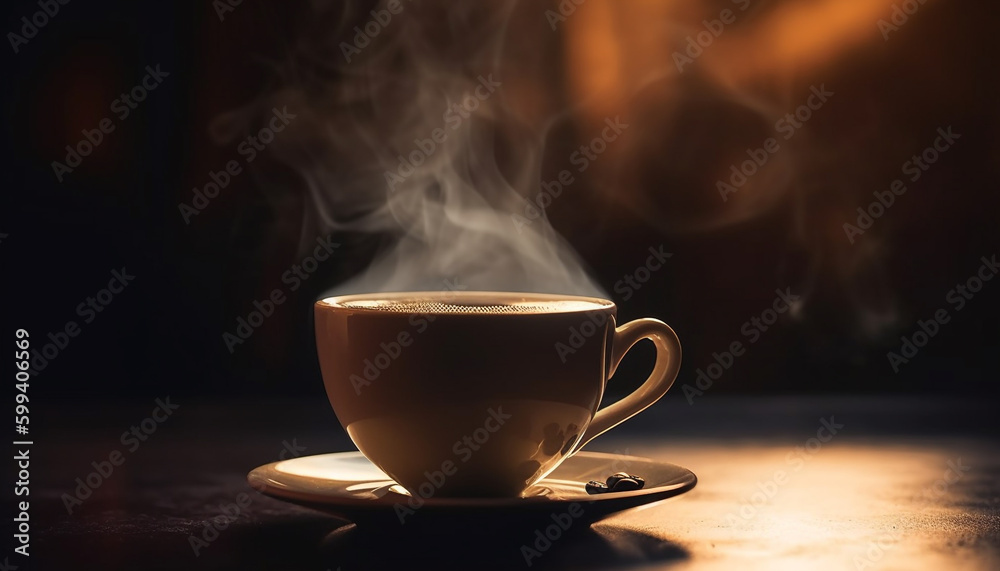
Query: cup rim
x,y
586,303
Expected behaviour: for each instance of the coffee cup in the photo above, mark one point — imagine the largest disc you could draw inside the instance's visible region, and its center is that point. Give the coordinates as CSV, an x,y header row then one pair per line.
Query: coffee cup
x,y
479,394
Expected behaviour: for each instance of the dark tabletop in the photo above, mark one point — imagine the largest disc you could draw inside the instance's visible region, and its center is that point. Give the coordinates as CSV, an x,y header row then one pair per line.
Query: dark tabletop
x,y
903,484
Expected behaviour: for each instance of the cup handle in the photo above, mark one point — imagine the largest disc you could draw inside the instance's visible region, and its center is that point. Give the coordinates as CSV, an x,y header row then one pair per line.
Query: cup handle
x,y
668,363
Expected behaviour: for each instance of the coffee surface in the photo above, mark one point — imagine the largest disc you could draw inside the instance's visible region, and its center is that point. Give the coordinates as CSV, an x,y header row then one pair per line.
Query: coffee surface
x,y
471,306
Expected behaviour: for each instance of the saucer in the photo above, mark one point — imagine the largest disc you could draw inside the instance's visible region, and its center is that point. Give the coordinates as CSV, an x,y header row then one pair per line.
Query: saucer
x,y
349,486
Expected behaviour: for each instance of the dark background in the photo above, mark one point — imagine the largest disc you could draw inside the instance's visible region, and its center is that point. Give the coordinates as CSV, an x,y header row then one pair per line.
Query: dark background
x,y
163,334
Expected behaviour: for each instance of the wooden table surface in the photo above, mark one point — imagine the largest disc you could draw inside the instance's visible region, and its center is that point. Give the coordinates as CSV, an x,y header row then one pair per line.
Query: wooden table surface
x,y
903,484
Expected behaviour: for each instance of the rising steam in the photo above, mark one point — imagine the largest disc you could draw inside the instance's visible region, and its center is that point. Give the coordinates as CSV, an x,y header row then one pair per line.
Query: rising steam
x,y
371,92
414,138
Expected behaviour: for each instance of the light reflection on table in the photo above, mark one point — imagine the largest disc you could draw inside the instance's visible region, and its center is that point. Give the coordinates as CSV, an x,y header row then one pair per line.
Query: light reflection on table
x,y
847,505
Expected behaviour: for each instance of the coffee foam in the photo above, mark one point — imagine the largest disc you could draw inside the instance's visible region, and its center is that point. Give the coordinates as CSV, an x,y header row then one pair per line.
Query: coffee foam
x,y
473,307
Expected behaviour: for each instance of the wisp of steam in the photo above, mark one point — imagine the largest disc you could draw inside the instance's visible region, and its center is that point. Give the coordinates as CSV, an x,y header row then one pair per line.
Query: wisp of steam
x,y
408,134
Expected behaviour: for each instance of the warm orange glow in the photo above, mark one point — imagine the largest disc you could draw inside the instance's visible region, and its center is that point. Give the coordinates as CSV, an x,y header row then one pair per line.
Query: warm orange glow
x,y
612,47
615,47
844,505
595,55
800,36
651,61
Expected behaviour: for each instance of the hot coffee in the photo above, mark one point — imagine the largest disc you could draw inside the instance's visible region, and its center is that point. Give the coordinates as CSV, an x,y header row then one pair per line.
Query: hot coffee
x,y
478,393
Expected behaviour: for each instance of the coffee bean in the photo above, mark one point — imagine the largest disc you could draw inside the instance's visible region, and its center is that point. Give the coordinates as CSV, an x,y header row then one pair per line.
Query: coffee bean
x,y
595,487
614,478
626,485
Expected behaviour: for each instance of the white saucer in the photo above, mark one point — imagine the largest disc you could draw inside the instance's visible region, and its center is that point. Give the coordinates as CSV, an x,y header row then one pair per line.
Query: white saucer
x,y
348,485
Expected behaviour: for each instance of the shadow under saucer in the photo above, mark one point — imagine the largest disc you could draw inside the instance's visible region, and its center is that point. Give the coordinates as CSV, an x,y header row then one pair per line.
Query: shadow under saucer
x,y
497,547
